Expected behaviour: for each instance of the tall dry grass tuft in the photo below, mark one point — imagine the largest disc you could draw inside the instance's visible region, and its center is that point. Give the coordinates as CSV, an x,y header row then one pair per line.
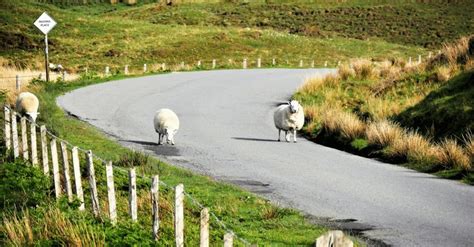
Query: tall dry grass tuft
x,y
54,225
413,147
344,123
388,70
453,54
468,140
383,133
453,155
364,69
345,72
314,84
443,73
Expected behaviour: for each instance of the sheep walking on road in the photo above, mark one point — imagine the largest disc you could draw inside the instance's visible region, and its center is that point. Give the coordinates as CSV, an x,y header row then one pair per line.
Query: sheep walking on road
x,y
28,104
166,123
289,118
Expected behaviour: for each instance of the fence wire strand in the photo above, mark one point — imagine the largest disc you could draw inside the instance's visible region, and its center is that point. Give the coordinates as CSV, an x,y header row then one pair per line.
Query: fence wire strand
x,y
190,197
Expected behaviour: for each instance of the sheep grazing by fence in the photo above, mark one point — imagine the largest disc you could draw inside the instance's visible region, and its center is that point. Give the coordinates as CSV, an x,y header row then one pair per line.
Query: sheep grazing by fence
x,y
166,123
28,104
289,118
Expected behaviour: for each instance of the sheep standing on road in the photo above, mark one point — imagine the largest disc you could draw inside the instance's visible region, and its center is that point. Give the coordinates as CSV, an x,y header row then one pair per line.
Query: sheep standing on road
x,y
289,118
166,123
27,104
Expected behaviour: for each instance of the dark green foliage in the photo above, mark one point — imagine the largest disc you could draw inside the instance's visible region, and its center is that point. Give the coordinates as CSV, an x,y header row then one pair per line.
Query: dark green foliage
x,y
22,185
448,111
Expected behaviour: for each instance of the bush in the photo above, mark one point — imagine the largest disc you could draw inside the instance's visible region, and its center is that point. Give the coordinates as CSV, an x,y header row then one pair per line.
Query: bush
x,y
22,185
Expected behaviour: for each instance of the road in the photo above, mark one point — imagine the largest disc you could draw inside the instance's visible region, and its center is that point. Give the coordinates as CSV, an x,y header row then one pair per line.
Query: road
x,y
227,132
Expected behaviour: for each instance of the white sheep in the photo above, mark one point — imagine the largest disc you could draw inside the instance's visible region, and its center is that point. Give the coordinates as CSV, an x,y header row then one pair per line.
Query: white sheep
x,y
289,117
27,104
166,123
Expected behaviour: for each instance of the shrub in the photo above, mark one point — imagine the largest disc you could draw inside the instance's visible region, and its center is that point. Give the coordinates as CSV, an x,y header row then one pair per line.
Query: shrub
x,y
383,133
387,70
22,185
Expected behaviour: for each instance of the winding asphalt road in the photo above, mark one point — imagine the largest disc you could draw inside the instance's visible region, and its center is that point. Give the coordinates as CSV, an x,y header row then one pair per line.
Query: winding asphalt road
x,y
227,132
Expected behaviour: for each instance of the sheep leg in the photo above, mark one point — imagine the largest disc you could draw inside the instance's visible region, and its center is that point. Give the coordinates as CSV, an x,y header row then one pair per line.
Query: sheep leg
x,y
279,133
287,136
294,135
159,138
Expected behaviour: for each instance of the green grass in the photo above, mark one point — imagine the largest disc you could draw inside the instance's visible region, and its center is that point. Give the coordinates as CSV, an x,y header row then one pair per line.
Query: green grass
x,y
447,111
404,22
100,35
250,216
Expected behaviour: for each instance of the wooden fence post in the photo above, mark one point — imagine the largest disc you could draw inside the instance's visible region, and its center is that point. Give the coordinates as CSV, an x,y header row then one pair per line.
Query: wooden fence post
x,y
132,196
111,192
163,66
155,197
312,64
228,239
34,145
107,70
16,145
93,185
18,83
204,234
409,61
67,177
325,63
179,215
7,131
24,138
125,71
144,68
429,54
64,73
54,159
199,63
213,63
182,65
44,149
419,59
301,63
244,64
273,61
77,177
259,63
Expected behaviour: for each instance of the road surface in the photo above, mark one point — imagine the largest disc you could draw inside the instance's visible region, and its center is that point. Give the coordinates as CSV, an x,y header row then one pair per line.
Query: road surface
x,y
227,132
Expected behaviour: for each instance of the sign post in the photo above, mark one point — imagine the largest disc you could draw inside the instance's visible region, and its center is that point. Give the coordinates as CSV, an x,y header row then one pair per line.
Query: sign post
x,y
45,23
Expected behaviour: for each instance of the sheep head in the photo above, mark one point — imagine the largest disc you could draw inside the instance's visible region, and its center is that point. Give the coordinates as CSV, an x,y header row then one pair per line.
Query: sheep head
x,y
294,106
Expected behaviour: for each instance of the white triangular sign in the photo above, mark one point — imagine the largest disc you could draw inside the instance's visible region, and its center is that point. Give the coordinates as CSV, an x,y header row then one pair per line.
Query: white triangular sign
x,y
45,23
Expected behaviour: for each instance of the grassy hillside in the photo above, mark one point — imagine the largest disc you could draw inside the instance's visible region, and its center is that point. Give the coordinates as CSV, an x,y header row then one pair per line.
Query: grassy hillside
x,y
418,115
100,35
445,112
404,22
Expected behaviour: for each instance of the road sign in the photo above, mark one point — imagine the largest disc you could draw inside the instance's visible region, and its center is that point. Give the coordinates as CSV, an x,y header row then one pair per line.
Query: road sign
x,y
45,23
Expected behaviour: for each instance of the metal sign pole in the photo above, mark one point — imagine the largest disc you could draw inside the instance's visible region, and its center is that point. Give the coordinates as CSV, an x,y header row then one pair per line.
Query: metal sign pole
x,y
46,57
